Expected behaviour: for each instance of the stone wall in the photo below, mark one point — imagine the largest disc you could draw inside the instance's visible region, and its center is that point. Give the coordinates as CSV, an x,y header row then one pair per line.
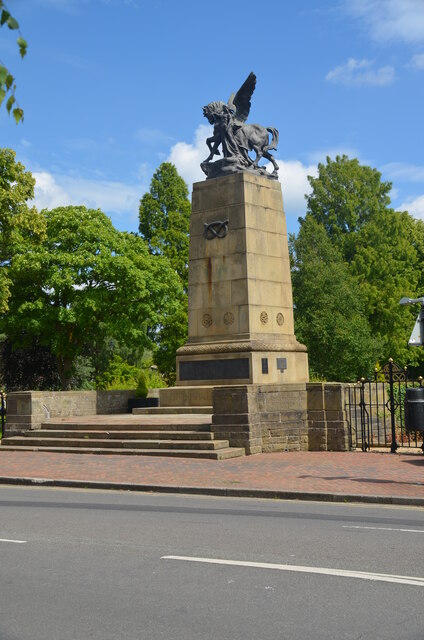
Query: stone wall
x,y
113,401
28,409
328,428
261,418
290,417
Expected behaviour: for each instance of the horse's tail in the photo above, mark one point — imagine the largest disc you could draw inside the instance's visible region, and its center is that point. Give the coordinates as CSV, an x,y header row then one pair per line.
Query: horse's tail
x,y
274,141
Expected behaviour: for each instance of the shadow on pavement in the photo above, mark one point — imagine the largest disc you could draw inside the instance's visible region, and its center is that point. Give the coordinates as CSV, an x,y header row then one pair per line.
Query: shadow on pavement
x,y
368,480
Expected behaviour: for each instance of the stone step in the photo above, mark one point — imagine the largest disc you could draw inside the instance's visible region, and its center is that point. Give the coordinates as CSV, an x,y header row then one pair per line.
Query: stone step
x,y
123,444
133,425
154,411
220,454
111,434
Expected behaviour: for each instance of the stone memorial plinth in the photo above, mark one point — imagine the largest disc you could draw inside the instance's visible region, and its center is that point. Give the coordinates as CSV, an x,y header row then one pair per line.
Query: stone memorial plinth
x,y
240,313
241,361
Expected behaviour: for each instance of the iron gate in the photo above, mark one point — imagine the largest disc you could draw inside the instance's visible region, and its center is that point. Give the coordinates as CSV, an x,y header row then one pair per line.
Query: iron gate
x,y
375,410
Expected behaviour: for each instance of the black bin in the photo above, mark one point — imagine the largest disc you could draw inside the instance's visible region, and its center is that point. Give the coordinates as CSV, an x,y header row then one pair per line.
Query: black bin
x,y
414,409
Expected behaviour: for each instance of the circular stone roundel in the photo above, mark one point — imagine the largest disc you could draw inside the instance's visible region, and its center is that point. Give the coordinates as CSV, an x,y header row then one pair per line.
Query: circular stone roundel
x,y
280,319
264,317
207,320
228,318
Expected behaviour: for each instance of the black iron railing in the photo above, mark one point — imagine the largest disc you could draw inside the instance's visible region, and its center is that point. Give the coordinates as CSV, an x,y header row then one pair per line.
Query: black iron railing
x,y
3,413
375,410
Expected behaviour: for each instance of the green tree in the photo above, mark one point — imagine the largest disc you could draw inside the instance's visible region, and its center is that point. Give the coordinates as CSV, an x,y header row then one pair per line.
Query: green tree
x,y
85,284
7,81
386,264
382,249
344,196
171,335
164,223
165,218
20,225
329,312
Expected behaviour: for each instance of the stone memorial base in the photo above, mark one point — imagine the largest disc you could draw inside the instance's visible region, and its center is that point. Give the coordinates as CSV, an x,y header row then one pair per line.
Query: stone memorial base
x,y
262,418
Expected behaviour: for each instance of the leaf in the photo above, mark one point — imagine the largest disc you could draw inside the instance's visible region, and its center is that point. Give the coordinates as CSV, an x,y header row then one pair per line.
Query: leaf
x,y
12,23
9,80
23,45
9,103
4,17
3,74
18,114
2,95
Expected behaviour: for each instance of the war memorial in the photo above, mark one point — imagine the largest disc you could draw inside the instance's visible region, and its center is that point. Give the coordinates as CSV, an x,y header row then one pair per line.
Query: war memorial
x,y
241,367
242,356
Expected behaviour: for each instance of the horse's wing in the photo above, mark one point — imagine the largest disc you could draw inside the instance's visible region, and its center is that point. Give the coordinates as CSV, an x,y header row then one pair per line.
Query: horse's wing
x,y
240,102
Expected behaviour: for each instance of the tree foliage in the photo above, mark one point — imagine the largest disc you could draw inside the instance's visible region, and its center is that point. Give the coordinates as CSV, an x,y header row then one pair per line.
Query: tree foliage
x,y
164,223
345,196
7,80
356,257
387,265
165,218
330,316
21,226
84,284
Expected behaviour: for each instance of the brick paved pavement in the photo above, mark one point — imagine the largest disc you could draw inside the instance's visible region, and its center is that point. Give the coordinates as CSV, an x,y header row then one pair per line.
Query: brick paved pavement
x,y
344,474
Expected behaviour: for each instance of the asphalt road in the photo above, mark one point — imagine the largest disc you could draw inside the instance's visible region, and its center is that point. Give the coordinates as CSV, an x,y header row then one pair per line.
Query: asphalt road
x,y
82,565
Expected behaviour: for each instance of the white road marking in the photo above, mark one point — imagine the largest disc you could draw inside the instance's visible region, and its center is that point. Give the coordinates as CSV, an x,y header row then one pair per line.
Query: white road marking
x,y
15,541
348,526
363,575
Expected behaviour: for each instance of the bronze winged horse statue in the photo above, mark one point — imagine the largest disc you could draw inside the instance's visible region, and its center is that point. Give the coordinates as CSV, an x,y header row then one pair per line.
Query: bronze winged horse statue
x,y
235,137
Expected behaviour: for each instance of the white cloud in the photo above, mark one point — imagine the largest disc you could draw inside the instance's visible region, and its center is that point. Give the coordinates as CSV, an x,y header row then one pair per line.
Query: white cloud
x,y
415,207
187,157
293,174
294,183
48,194
114,198
417,61
404,171
360,73
390,20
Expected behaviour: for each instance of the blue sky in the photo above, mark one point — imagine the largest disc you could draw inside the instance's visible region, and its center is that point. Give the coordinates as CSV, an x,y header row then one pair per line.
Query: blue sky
x,y
112,88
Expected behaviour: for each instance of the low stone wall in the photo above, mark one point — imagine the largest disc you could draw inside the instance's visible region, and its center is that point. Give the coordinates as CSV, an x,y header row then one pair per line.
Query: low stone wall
x,y
261,418
28,409
113,401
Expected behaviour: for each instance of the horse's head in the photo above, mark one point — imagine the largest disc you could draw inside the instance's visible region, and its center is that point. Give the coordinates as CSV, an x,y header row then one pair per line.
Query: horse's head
x,y
214,111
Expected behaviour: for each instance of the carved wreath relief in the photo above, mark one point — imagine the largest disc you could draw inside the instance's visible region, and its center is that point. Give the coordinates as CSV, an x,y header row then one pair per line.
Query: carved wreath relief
x,y
207,320
228,318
